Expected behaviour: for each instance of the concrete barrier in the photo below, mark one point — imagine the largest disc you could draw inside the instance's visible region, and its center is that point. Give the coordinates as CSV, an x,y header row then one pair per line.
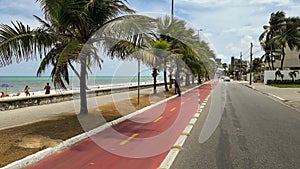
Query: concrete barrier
x,y
9,103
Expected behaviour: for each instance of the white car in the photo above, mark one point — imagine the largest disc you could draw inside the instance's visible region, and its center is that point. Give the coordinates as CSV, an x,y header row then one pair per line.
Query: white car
x,y
226,79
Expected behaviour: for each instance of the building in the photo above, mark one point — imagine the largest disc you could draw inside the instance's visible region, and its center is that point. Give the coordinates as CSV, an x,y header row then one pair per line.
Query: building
x,y
291,60
291,63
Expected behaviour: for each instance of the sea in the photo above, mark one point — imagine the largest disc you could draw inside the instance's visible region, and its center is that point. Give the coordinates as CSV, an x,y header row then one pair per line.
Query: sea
x,y
37,84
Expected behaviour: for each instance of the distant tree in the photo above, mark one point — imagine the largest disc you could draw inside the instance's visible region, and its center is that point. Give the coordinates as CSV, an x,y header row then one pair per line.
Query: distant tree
x,y
225,66
257,65
281,33
288,36
275,23
279,74
293,74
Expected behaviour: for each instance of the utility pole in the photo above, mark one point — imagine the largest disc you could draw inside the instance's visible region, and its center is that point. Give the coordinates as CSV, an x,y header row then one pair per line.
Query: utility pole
x,y
241,64
172,9
251,46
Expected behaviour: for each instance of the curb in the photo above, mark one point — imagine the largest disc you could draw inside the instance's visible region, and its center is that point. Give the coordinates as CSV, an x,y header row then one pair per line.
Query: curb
x,y
268,94
34,158
276,98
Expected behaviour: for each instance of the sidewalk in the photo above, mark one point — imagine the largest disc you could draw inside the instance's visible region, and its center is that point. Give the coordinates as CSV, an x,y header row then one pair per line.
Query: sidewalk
x,y
17,117
288,96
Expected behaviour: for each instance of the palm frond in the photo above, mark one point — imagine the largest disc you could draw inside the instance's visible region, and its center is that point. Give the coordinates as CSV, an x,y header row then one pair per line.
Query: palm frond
x,y
16,42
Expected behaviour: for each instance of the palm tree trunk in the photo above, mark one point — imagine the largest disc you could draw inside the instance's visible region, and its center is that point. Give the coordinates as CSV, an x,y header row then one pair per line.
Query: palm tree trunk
x,y
193,79
165,81
165,75
199,78
154,74
283,56
272,58
272,63
187,79
77,74
83,98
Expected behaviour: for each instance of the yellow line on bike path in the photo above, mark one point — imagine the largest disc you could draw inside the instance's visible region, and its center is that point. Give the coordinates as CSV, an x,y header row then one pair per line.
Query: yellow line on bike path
x,y
155,121
129,138
174,108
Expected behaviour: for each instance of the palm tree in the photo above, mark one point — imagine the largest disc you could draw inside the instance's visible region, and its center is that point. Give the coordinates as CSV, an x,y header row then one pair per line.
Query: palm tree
x,y
288,35
63,38
293,74
281,32
279,74
161,48
275,23
257,65
168,29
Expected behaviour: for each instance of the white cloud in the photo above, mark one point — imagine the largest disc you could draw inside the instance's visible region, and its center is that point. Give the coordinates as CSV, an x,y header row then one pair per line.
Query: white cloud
x,y
209,3
246,40
228,25
277,2
232,47
241,31
19,10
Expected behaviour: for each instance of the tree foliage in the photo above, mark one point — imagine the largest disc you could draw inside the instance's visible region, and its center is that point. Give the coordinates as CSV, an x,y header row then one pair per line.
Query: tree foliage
x,y
282,32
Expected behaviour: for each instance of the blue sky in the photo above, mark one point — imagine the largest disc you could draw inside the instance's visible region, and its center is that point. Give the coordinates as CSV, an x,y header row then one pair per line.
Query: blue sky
x,y
228,25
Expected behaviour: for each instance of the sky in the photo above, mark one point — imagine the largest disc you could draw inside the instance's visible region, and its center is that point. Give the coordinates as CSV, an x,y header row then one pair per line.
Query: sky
x,y
229,26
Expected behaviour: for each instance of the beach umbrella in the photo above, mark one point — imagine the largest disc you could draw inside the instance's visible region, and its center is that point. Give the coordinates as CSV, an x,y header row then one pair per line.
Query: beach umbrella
x,y
6,85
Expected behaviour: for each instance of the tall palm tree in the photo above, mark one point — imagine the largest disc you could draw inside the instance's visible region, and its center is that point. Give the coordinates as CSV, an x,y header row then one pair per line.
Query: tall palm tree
x,y
288,35
168,29
64,38
161,49
275,23
281,32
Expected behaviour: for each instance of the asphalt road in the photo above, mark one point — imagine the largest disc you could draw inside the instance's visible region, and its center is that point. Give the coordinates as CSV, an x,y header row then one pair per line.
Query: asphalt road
x,y
255,132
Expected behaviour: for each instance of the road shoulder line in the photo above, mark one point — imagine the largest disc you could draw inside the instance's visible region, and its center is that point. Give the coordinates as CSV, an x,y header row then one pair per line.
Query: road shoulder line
x,y
170,158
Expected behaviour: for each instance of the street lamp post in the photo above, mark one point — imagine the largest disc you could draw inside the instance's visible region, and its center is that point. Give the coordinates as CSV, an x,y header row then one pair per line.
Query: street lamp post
x,y
199,33
251,46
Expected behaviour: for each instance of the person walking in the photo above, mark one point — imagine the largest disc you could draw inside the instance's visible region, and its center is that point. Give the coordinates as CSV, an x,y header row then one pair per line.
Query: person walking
x,y
26,90
47,88
177,87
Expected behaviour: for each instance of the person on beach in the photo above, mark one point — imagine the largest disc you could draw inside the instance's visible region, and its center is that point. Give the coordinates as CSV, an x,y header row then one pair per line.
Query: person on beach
x,y
47,88
26,90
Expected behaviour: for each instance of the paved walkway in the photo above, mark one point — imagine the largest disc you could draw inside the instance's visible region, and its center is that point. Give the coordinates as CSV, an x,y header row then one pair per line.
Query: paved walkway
x,y
289,96
17,117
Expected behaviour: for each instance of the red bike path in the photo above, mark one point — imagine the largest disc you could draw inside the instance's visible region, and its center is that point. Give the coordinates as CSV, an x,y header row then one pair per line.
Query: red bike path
x,y
141,142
